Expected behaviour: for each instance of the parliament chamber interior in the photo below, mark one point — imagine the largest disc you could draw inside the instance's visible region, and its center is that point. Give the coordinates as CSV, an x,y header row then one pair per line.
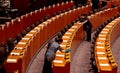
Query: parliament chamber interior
x,y
27,27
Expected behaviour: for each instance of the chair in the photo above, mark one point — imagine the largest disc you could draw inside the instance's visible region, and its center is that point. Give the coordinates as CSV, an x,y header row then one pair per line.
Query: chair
x,y
105,23
2,51
59,35
19,37
74,7
77,20
28,29
68,9
95,10
62,31
119,15
54,14
115,16
66,28
108,20
91,12
92,53
41,21
93,42
100,28
63,11
36,23
94,67
32,26
24,33
95,35
11,44
6,49
59,12
73,22
46,17
111,19
70,25
79,5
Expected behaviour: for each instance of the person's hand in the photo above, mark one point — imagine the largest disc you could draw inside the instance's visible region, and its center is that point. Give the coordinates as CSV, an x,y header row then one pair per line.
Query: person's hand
x,y
67,50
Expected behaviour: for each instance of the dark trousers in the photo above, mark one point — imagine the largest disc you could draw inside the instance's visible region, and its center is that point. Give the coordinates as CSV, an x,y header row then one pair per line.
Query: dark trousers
x,y
47,68
2,70
88,35
95,7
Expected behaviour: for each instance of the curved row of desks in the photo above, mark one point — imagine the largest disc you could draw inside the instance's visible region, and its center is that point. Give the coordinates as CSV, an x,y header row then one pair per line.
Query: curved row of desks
x,y
61,64
103,55
63,58
17,25
24,51
71,39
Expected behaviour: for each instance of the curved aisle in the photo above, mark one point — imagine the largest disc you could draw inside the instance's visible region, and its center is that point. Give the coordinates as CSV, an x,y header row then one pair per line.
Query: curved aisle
x,y
116,52
81,60
37,63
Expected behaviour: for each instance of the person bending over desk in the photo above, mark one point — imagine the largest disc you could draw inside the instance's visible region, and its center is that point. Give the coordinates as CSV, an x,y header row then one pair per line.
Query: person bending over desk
x,y
50,54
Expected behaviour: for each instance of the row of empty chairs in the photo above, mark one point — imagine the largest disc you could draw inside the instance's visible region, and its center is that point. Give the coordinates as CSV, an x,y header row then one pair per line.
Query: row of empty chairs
x,y
19,24
13,31
26,48
103,55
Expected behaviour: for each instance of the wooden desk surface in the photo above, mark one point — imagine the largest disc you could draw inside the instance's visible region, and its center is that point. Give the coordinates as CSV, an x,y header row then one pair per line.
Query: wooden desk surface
x,y
18,52
13,59
105,68
100,50
21,46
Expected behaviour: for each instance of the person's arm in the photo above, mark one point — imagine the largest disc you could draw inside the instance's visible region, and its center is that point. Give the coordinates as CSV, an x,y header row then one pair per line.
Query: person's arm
x,y
61,49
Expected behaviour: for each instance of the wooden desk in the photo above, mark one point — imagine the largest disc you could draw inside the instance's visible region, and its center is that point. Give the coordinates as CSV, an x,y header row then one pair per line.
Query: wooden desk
x,y
103,54
17,52
13,59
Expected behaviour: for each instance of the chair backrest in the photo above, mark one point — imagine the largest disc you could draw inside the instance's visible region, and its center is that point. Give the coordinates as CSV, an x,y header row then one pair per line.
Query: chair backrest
x,y
10,43
24,33
63,31
19,37
28,29
32,26
59,35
